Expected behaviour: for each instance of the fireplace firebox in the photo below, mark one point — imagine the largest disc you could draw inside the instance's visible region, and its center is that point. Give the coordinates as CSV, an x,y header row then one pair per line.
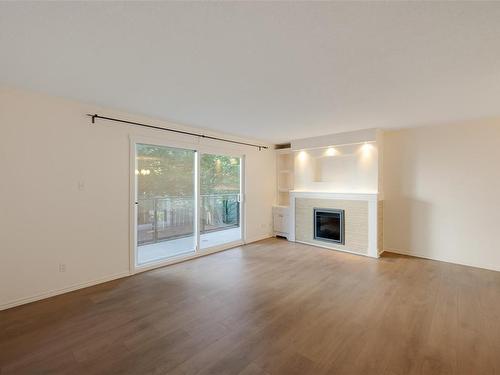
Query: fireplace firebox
x,y
329,225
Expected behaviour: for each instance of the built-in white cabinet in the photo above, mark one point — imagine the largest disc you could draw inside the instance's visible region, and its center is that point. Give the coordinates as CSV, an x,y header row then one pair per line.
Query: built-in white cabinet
x,y
281,221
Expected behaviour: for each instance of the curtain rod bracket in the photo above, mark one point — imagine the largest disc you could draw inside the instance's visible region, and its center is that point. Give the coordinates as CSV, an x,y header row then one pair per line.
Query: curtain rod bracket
x,y
92,117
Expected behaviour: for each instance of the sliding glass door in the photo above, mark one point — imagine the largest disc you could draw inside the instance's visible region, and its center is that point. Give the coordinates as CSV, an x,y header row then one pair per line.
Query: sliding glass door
x,y
220,196
185,201
165,200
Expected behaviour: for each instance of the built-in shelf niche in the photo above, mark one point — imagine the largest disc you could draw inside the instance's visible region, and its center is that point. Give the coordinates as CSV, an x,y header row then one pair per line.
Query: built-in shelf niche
x,y
284,175
342,163
343,168
338,163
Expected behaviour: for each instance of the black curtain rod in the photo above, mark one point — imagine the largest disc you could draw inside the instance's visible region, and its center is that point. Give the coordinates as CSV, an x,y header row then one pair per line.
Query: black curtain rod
x,y
94,116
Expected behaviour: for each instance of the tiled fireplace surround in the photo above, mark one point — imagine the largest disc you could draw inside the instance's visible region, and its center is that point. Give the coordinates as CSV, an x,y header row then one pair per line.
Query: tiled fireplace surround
x,y
363,220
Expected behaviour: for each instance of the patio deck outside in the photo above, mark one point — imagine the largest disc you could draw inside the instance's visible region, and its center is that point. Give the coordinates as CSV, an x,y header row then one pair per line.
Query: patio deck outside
x,y
165,226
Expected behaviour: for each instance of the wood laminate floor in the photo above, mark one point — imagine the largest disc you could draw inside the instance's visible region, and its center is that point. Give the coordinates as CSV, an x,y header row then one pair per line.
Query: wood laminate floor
x,y
272,307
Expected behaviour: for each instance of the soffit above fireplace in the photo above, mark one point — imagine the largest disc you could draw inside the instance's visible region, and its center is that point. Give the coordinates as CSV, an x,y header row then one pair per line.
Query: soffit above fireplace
x,y
339,139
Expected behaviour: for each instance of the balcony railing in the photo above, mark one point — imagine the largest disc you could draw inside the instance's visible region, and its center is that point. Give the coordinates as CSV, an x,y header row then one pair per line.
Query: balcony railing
x,y
168,217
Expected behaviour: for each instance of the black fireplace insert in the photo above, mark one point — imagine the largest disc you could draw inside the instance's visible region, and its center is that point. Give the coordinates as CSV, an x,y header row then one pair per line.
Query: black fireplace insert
x,y
329,225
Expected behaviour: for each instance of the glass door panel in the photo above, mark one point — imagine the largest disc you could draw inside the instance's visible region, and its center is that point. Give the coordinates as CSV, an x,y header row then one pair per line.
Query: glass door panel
x,y
220,193
165,188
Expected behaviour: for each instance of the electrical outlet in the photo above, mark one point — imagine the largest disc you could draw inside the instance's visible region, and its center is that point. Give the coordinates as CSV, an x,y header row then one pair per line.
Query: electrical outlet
x,y
62,267
81,185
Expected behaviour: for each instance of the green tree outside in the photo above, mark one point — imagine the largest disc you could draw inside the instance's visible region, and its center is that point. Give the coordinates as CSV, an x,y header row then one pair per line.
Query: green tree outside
x,y
165,171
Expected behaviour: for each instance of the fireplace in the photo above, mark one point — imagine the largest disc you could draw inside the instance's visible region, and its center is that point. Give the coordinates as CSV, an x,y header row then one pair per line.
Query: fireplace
x,y
329,225
357,218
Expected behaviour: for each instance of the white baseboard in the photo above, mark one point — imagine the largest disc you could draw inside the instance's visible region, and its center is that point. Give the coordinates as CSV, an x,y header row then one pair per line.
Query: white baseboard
x,y
258,238
337,249
52,293
442,259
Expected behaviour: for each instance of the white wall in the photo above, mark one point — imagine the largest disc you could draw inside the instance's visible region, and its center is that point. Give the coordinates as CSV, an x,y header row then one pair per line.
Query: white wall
x,y
47,146
442,193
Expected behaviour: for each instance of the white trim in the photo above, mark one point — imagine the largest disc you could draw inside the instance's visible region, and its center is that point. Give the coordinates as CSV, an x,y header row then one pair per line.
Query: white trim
x,y
133,206
57,292
441,259
365,196
199,150
134,141
243,200
197,211
291,217
373,227
337,249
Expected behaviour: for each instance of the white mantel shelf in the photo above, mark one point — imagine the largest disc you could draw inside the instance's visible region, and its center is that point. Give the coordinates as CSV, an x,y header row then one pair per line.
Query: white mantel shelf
x,y
334,195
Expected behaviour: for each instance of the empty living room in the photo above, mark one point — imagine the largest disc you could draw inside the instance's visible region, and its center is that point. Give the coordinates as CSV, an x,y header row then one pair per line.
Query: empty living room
x,y
250,187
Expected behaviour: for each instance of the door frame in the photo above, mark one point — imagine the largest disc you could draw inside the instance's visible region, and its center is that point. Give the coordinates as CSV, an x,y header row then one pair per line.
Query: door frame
x,y
199,149
242,240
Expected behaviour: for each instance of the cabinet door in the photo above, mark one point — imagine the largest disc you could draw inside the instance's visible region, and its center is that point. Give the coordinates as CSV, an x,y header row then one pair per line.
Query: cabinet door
x,y
278,222
284,223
